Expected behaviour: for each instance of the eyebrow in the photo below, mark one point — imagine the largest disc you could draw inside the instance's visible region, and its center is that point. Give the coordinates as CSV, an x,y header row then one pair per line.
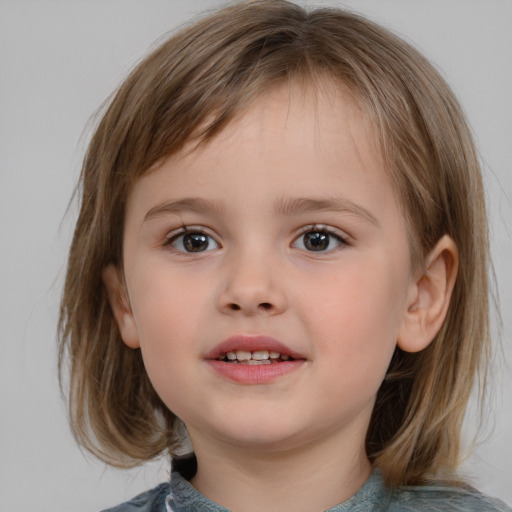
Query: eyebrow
x,y
294,206
187,204
283,207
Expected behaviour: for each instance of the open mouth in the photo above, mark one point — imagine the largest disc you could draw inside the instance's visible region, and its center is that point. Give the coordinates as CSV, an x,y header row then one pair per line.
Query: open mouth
x,y
251,360
256,357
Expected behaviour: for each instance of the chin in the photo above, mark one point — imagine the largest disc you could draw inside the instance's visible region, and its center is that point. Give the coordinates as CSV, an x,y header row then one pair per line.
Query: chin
x,y
260,434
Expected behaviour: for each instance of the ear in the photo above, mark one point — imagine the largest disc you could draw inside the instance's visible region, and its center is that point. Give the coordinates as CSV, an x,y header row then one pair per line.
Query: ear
x,y
120,305
429,297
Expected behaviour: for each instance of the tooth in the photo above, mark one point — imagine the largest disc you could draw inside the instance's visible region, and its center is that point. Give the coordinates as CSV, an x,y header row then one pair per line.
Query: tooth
x,y
274,355
260,355
243,355
258,362
231,356
221,357
284,357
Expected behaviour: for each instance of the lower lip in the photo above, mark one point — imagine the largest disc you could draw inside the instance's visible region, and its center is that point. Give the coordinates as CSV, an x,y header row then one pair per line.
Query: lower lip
x,y
255,374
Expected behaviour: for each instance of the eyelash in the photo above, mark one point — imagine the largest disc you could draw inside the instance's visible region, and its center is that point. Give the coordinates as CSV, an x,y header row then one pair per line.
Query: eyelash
x,y
341,238
173,238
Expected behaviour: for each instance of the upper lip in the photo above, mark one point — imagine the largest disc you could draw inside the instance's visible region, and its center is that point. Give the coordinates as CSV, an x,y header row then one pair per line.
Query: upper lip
x,y
251,344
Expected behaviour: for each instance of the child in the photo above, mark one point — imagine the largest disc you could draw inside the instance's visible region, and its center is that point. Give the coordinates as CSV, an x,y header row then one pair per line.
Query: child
x,y
281,251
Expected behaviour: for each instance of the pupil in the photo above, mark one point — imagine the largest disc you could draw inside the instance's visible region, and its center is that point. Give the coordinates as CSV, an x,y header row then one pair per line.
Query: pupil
x,y
316,241
195,242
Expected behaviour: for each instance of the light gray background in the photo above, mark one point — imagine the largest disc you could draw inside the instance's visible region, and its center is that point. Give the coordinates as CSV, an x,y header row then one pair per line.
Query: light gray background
x,y
59,59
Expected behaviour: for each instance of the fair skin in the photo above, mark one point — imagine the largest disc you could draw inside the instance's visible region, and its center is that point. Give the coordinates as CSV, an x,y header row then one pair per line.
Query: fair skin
x,y
281,234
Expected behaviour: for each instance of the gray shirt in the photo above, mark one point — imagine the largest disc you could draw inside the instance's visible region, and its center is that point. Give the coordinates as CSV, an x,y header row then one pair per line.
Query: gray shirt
x,y
179,496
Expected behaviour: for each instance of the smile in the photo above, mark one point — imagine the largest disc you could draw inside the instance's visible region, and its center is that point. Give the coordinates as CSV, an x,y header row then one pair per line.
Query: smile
x,y
253,359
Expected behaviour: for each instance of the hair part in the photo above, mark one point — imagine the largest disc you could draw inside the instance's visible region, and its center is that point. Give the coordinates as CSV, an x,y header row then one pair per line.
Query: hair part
x,y
189,89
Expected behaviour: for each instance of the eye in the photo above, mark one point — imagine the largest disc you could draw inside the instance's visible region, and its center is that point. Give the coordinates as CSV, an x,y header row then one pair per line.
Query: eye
x,y
192,241
319,239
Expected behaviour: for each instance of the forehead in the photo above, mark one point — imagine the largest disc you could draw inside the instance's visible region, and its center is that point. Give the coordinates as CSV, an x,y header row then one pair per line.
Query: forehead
x,y
319,115
293,140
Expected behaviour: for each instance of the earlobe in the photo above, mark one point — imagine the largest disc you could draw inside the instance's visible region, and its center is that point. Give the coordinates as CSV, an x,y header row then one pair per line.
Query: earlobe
x,y
120,305
429,297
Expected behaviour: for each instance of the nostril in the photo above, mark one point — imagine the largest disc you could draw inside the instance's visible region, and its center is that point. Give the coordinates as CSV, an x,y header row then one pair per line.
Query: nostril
x,y
262,306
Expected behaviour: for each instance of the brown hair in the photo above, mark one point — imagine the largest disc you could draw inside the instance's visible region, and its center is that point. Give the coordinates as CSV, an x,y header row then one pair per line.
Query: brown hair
x,y
190,88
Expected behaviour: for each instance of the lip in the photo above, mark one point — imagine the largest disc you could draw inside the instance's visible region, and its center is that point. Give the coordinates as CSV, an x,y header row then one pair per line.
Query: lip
x,y
257,374
251,344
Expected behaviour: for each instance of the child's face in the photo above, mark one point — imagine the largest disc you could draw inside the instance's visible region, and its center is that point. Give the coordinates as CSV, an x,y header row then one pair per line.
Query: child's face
x,y
282,234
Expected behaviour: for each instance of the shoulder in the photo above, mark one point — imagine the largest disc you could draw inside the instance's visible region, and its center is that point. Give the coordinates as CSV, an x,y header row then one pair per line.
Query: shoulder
x,y
149,501
441,498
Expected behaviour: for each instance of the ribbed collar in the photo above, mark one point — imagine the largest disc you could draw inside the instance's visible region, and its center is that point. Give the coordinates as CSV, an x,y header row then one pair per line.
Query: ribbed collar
x,y
371,497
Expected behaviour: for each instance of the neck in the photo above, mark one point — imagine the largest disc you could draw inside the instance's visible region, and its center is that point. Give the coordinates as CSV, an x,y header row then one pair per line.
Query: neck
x,y
314,477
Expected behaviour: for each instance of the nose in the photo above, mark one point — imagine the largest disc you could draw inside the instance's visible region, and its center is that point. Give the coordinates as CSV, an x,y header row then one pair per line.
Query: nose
x,y
253,286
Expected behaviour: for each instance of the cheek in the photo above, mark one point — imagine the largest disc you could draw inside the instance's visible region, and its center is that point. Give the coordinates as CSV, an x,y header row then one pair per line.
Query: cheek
x,y
355,332
356,322
167,309
164,301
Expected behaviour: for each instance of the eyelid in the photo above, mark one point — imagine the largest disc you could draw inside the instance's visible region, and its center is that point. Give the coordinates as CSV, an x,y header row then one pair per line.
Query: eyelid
x,y
173,235
343,238
342,235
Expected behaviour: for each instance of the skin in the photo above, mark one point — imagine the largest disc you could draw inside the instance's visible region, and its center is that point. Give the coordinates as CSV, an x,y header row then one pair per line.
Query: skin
x,y
343,309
